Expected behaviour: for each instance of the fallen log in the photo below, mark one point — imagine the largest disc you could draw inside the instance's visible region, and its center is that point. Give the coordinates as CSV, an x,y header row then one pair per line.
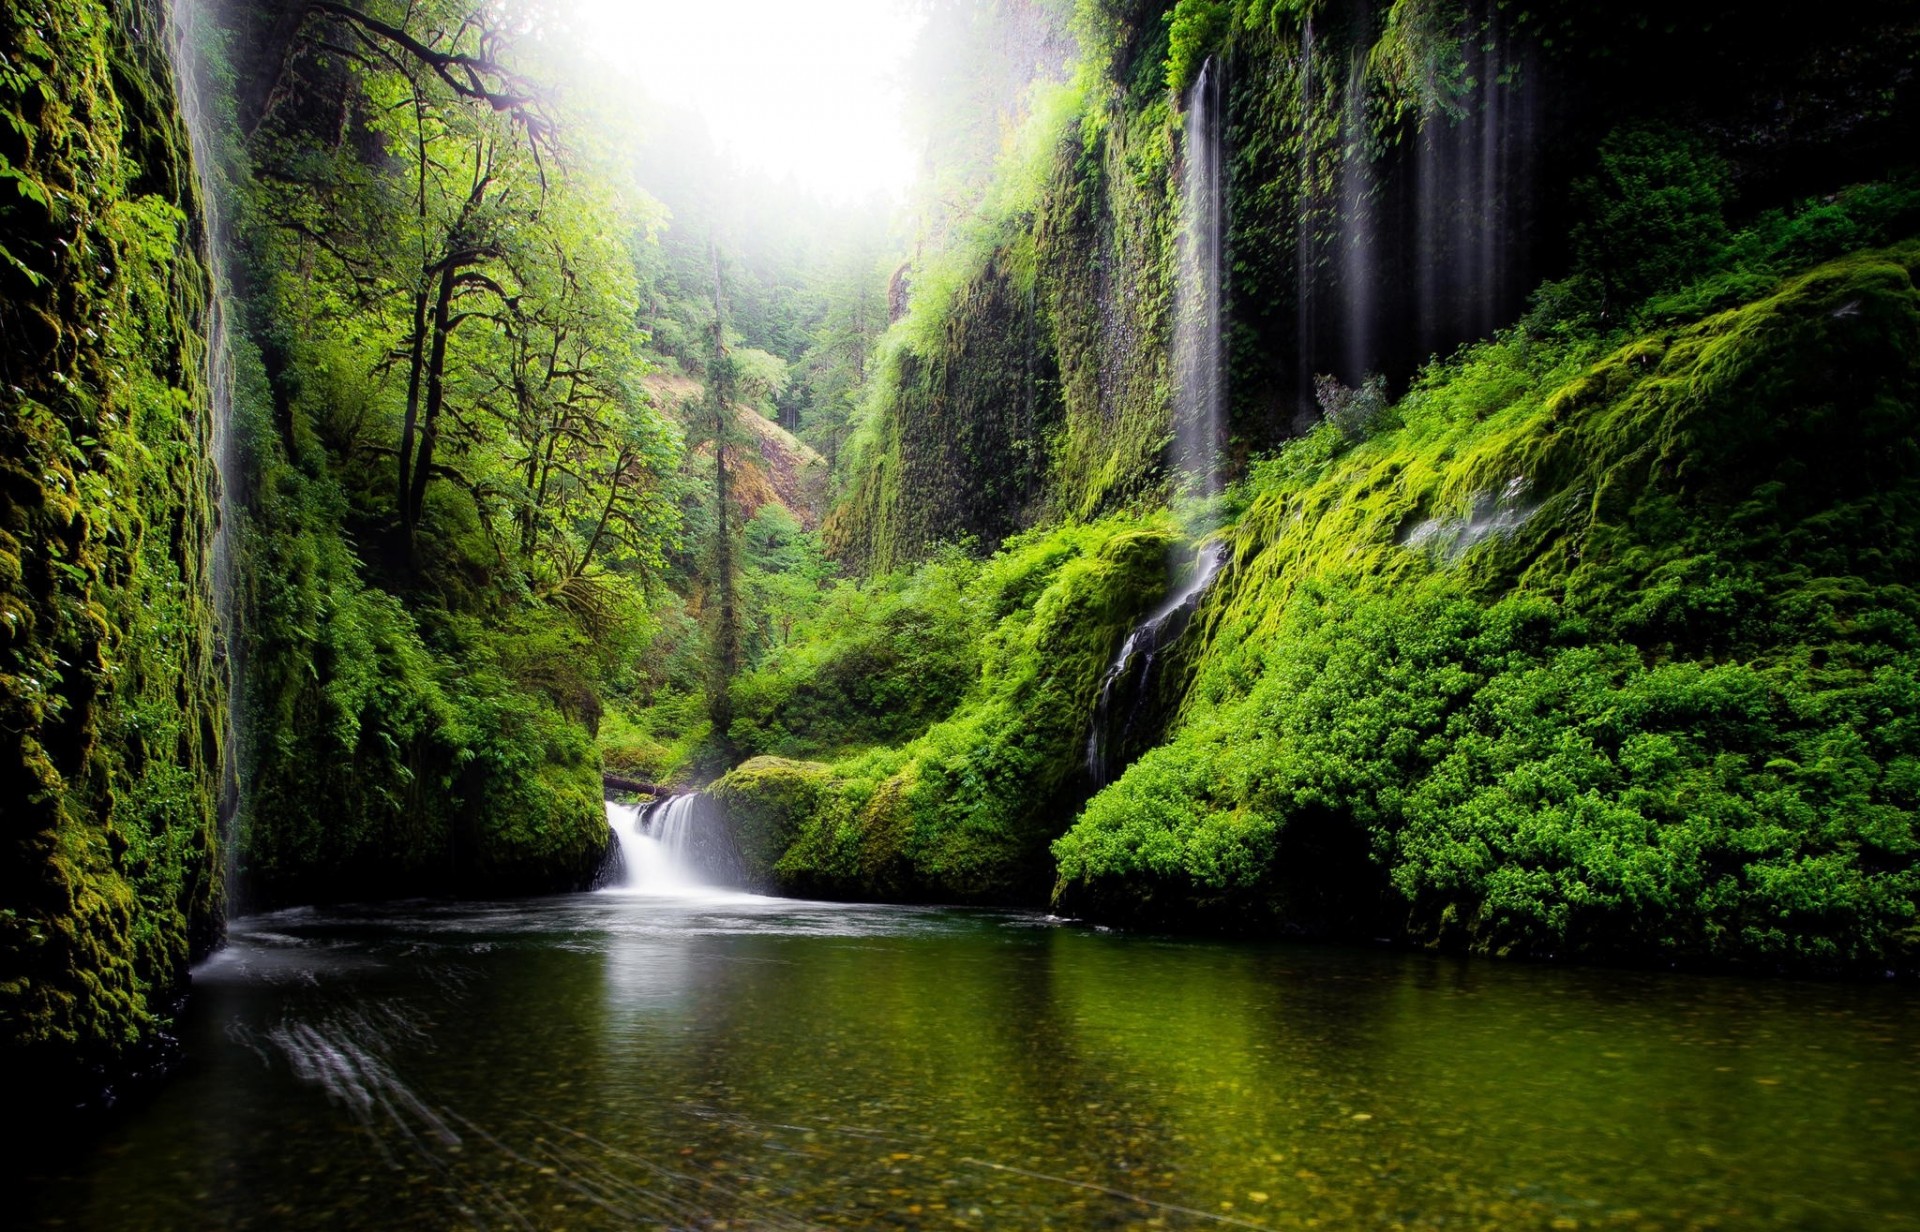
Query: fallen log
x,y
617,782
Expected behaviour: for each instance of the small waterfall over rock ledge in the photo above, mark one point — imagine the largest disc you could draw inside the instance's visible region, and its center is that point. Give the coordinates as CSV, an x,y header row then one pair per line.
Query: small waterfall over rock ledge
x,y
1128,713
675,847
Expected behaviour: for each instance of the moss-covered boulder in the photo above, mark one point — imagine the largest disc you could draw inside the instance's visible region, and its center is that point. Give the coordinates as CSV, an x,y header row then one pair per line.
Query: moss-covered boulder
x,y
964,811
764,801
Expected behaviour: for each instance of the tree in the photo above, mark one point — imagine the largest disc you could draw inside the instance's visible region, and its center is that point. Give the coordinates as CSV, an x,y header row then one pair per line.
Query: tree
x,y
471,139
719,426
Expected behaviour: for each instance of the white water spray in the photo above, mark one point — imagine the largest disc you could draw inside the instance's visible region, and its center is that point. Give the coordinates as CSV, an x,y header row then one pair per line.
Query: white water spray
x,y
188,27
1493,515
667,849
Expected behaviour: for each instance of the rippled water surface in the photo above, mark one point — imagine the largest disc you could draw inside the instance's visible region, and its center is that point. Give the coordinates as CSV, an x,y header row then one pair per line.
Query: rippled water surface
x,y
617,1061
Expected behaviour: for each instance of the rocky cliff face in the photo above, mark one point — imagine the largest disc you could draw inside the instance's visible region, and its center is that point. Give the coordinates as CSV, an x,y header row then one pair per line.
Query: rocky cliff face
x,y
1400,178
112,696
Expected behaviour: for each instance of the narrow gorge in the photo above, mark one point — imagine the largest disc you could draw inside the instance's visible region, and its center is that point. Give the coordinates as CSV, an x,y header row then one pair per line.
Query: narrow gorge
x,y
980,613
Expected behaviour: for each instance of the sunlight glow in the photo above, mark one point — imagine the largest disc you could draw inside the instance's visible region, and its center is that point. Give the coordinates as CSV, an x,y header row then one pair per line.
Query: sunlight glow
x,y
811,91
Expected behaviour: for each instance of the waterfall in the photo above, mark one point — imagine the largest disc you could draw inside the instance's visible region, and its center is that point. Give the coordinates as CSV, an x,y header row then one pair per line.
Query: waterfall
x,y
672,848
1355,237
1127,711
1414,228
1199,405
188,30
1472,184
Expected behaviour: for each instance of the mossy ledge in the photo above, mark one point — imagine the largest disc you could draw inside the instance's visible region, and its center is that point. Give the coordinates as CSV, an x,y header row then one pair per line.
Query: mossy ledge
x,y
1608,655
112,698
965,811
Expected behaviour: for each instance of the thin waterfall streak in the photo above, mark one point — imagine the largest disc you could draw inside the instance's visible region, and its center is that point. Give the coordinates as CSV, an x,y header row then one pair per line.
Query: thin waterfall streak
x,y
1491,197
1305,301
1356,230
183,37
1199,360
1126,690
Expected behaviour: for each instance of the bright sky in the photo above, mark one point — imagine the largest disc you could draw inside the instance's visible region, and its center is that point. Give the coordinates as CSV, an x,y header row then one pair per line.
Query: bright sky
x,y
807,88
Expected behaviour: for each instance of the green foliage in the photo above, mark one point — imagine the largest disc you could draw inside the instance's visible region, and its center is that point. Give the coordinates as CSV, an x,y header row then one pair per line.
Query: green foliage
x,y
1354,413
1782,240
863,664
1652,214
1661,705
452,484
1196,28
965,809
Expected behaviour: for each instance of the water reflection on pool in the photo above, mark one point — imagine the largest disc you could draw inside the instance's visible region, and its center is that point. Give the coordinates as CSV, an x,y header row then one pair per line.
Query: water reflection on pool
x,y
627,1061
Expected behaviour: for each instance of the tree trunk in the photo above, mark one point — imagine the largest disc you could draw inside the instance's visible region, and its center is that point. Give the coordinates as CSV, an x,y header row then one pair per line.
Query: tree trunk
x,y
416,495
409,425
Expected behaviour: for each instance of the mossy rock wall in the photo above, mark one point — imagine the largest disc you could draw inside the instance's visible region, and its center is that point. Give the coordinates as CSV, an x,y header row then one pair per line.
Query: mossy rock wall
x,y
1606,655
1042,390
965,811
112,697
1399,179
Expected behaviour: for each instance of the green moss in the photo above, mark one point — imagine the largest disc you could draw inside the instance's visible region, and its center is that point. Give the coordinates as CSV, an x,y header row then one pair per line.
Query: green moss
x,y
767,800
884,661
1665,706
112,700
1030,382
965,810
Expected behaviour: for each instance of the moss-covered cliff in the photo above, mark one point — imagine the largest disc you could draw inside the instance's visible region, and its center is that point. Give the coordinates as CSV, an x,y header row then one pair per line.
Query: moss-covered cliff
x,y
1400,178
1595,645
1031,381
1589,654
112,699
1568,606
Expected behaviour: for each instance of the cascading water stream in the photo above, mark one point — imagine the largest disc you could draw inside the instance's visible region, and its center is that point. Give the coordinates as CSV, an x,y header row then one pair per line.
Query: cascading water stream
x,y
184,39
670,849
1126,692
1199,404
1127,708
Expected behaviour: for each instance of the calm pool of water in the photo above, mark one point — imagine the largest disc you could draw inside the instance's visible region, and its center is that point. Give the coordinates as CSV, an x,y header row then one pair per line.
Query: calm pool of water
x,y
618,1061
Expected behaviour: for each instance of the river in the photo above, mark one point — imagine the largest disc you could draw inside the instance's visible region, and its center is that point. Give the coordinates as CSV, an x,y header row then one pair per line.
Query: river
x,y
721,1061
